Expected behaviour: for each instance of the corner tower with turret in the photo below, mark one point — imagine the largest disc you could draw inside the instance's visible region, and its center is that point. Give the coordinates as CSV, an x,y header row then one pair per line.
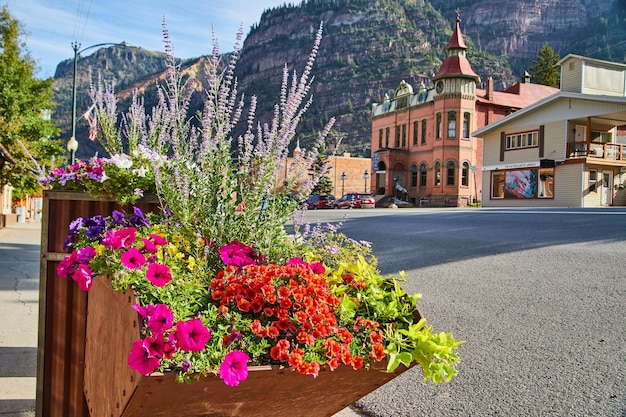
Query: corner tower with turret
x,y
422,139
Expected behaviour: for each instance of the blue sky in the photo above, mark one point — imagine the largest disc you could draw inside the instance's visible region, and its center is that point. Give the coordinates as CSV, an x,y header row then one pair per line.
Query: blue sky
x,y
52,25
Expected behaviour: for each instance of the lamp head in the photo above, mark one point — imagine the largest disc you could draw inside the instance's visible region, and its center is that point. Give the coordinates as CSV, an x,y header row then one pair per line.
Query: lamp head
x,y
72,144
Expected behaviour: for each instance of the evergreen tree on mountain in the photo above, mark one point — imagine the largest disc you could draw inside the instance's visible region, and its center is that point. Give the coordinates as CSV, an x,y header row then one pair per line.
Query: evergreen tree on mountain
x,y
24,132
544,68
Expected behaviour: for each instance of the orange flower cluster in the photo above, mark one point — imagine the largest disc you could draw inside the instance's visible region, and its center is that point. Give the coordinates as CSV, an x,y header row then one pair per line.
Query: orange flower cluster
x,y
298,314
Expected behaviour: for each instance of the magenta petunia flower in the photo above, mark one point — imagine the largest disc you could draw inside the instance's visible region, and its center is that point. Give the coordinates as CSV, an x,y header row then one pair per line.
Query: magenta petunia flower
x,y
158,240
234,368
317,268
67,266
123,238
237,254
83,276
133,259
191,335
155,345
140,359
149,245
161,319
159,274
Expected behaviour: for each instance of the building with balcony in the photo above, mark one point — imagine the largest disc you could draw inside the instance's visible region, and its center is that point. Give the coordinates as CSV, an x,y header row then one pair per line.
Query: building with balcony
x,y
422,147
568,150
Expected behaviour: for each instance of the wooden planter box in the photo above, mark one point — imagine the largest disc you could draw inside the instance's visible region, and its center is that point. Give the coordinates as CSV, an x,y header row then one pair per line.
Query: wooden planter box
x,y
63,306
113,389
85,338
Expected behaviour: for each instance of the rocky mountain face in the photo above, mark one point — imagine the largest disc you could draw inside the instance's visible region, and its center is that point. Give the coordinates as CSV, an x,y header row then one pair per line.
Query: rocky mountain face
x,y
368,47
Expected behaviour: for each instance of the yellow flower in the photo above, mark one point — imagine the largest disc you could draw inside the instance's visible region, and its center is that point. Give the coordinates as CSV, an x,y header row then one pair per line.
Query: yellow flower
x,y
191,263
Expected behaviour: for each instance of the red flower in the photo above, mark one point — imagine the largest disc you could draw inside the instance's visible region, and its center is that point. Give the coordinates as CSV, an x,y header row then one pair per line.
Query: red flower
x,y
378,352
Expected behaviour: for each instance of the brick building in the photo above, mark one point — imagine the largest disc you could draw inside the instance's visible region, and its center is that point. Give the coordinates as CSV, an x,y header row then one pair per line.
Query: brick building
x,y
422,148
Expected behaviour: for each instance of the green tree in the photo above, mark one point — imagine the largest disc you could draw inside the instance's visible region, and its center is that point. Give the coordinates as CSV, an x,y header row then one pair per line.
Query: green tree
x,y
544,69
24,100
324,184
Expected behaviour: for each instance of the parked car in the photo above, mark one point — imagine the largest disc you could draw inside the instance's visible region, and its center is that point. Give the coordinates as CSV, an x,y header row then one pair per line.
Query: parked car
x,y
320,201
355,200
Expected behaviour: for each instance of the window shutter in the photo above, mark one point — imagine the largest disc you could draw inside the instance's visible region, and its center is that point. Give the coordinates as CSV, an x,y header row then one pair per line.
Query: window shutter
x,y
541,140
502,145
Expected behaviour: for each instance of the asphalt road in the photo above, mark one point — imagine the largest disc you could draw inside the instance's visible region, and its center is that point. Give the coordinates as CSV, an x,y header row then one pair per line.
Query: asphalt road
x,y
538,295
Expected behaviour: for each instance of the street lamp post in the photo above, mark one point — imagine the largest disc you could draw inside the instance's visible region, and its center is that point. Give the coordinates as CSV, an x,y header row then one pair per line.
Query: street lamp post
x,y
72,144
343,179
366,176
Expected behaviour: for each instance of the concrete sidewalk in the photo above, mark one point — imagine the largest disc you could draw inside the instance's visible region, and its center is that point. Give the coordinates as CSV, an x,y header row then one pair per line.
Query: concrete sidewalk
x,y
19,301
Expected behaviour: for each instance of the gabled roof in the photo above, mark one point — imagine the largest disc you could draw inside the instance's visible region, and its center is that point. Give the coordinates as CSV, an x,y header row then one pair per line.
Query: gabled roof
x,y
518,96
541,104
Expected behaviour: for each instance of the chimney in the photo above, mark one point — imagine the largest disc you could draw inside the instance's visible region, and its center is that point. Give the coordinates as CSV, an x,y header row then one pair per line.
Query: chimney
x,y
489,88
526,77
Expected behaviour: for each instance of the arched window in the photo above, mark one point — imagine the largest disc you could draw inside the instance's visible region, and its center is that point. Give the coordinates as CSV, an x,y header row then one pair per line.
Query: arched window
x,y
413,175
465,174
437,174
423,169
450,173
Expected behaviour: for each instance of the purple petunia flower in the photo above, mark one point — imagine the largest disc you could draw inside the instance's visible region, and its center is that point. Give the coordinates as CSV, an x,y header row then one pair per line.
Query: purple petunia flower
x,y
75,225
138,218
119,219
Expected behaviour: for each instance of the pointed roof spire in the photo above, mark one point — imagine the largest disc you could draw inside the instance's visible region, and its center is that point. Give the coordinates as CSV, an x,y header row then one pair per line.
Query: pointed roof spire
x,y
456,64
456,41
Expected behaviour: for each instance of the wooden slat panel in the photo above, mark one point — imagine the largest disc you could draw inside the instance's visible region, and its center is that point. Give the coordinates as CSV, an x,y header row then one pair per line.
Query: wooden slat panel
x,y
63,306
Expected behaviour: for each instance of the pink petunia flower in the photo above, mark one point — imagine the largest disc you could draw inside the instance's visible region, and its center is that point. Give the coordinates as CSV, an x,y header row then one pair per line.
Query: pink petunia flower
x,y
158,274
83,276
161,319
234,369
140,359
191,335
67,266
123,238
133,259
237,254
155,345
158,240
149,245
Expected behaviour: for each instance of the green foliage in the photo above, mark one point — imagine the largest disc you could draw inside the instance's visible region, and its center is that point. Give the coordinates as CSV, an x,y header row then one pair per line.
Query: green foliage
x,y
544,68
324,184
24,132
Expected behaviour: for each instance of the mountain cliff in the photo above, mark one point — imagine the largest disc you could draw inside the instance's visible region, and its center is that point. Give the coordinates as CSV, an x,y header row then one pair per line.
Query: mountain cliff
x,y
367,49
